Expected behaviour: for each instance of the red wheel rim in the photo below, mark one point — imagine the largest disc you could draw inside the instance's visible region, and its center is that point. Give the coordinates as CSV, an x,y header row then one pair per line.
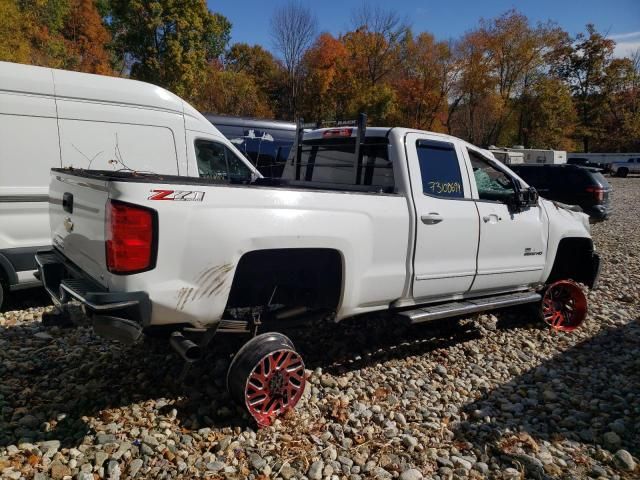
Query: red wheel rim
x,y
275,385
564,306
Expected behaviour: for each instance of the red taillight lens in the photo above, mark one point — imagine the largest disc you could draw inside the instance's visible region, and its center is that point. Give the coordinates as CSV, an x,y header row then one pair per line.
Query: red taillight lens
x,y
598,193
130,238
338,132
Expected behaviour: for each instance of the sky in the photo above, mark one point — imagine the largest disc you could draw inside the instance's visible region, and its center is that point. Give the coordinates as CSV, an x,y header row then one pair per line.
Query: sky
x,y
619,19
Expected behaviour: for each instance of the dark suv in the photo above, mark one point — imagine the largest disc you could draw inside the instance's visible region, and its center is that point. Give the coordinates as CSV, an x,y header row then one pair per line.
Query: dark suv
x,y
571,184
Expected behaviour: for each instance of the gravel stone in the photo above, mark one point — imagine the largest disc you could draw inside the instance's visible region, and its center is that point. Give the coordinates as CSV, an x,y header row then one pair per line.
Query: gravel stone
x,y
411,474
315,470
624,461
135,466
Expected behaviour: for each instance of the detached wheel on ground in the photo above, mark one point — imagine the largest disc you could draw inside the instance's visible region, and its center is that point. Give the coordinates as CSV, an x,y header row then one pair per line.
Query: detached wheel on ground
x,y
267,377
564,305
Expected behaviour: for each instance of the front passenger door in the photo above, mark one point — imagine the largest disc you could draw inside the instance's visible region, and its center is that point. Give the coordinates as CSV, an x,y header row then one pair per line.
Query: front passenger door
x,y
513,244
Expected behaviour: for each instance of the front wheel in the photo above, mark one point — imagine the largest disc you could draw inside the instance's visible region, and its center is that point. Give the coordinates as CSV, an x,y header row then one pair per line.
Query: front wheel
x,y
622,172
564,305
267,376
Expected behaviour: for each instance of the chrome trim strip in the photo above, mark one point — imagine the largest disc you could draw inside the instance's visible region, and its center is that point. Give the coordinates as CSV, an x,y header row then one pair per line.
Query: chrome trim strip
x,y
438,276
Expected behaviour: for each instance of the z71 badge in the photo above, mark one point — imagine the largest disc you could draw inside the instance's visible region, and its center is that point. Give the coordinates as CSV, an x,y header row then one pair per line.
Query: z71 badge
x,y
176,195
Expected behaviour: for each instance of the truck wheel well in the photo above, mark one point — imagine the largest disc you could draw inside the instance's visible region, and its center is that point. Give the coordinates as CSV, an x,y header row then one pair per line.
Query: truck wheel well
x,y
574,260
299,277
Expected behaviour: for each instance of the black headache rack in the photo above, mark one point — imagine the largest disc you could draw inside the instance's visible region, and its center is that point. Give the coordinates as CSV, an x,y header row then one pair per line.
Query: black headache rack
x,y
361,125
350,154
65,282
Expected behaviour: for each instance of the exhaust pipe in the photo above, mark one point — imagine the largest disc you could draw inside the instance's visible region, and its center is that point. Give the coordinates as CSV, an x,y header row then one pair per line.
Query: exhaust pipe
x,y
187,349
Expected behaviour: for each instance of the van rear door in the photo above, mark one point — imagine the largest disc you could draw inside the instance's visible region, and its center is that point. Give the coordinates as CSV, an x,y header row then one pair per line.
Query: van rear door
x,y
77,216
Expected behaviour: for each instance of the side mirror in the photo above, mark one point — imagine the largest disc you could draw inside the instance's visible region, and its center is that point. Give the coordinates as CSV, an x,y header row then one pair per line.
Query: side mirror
x,y
524,199
533,197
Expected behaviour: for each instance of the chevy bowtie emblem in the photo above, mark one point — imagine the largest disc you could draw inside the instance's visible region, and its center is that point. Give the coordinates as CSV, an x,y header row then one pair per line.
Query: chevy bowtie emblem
x,y
68,225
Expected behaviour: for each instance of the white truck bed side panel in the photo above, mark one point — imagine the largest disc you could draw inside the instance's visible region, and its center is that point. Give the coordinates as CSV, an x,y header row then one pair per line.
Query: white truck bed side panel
x,y
370,232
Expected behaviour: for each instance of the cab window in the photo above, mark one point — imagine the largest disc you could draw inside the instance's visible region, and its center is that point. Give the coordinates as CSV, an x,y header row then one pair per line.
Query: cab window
x,y
493,184
439,169
217,162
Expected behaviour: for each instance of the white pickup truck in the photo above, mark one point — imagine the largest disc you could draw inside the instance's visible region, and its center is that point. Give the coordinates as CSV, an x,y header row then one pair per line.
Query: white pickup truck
x,y
422,225
622,169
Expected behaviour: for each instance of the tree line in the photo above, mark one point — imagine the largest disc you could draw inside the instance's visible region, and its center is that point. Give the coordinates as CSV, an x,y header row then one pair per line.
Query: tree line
x,y
507,81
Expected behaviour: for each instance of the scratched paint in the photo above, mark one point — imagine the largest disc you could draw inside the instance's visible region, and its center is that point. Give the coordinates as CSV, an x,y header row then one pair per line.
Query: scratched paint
x,y
210,282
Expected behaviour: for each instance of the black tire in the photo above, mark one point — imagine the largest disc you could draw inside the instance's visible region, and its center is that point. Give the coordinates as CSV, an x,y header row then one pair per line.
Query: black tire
x,y
270,360
622,172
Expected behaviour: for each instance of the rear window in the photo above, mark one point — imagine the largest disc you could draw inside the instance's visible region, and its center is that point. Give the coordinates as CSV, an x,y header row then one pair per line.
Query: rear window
x,y
331,162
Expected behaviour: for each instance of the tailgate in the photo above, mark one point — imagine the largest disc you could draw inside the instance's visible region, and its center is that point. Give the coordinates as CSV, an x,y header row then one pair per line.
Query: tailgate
x,y
77,217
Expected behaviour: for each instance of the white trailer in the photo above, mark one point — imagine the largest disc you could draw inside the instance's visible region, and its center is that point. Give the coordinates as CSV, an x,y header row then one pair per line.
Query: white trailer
x,y
506,156
547,157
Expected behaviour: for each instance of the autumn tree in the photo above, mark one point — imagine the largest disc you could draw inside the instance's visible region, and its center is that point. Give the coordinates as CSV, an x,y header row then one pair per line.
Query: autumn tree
x,y
293,28
377,41
424,82
168,43
473,106
326,80
14,36
621,93
87,39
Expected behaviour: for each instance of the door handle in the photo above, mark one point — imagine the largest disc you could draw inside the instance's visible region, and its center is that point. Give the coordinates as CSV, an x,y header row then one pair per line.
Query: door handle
x,y
491,218
431,219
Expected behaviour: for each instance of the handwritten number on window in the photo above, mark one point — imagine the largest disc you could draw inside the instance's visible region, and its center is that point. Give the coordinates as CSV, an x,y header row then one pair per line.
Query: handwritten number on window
x,y
440,188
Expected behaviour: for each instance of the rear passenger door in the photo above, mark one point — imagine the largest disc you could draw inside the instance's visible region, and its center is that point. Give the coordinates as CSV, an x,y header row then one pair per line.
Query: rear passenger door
x,y
447,225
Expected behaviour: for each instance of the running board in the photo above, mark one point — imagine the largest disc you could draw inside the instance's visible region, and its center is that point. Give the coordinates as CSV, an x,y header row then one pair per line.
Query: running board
x,y
465,307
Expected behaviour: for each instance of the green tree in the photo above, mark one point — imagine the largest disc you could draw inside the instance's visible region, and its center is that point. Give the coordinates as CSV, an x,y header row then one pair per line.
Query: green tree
x,y
264,70
583,66
549,115
232,93
168,42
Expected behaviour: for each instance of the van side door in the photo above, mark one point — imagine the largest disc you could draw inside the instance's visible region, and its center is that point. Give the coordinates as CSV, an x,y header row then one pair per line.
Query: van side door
x,y
513,241
447,225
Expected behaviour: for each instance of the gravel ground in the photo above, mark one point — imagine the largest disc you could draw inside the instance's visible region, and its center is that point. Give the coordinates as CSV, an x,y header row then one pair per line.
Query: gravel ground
x,y
494,396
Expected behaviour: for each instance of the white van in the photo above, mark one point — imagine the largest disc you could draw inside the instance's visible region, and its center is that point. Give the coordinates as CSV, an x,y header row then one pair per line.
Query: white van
x,y
56,118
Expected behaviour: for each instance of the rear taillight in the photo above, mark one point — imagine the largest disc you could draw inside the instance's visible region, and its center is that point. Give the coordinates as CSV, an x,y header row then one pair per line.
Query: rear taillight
x,y
131,238
597,192
337,132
